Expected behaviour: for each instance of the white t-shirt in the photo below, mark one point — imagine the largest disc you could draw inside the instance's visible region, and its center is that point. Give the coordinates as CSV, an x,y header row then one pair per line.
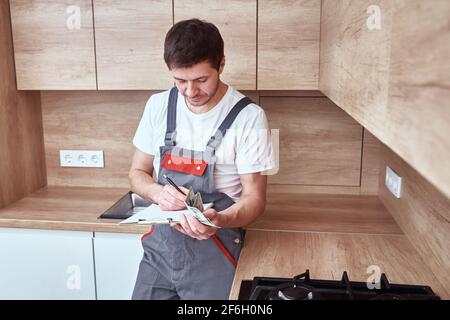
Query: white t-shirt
x,y
245,148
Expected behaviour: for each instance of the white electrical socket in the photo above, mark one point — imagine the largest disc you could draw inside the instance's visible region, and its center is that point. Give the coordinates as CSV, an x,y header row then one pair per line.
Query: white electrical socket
x,y
81,158
393,182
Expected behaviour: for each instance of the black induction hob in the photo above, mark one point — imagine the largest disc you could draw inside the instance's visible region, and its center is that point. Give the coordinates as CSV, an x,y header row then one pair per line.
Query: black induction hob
x,y
302,287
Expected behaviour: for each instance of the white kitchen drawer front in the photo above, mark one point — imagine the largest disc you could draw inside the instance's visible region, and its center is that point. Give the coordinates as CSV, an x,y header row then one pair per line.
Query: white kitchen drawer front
x,y
46,264
117,258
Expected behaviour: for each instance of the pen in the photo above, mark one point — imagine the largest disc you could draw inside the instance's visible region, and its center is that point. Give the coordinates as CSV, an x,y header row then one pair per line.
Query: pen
x,y
173,184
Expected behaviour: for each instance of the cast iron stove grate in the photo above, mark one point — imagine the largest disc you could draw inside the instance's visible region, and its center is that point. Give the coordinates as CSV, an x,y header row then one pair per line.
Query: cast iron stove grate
x,y
302,287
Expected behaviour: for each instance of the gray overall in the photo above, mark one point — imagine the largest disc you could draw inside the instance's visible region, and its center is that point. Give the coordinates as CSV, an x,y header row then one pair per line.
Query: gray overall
x,y
176,266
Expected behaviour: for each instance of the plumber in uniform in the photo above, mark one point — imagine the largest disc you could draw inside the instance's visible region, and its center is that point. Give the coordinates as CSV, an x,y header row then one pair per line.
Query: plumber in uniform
x,y
203,134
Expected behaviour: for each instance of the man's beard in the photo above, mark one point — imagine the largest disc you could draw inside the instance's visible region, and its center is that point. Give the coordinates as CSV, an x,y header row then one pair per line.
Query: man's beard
x,y
210,95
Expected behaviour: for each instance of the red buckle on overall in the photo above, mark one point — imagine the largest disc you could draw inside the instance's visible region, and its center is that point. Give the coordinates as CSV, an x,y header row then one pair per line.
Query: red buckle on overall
x,y
184,165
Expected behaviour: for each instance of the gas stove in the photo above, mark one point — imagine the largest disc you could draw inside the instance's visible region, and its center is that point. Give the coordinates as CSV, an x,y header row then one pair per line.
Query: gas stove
x,y
302,287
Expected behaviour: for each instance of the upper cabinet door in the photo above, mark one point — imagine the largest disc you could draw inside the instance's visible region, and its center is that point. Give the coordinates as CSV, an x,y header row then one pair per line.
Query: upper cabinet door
x,y
129,41
288,44
354,58
53,44
417,121
236,21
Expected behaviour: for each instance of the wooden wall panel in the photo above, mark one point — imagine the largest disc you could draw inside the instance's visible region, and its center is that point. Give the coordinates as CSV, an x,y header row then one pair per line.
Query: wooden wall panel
x,y
319,143
290,93
129,40
325,213
103,120
252,94
288,44
236,21
418,112
22,162
370,164
422,212
49,55
311,189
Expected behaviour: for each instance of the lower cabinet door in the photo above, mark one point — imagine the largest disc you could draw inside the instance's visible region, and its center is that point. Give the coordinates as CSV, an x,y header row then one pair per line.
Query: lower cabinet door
x,y
46,264
117,258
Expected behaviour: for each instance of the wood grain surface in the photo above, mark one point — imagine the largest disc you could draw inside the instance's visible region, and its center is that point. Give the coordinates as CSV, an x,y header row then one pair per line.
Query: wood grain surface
x,y
129,43
52,51
319,147
328,255
67,208
22,158
319,144
95,120
236,21
370,163
325,213
418,112
354,60
395,80
422,212
288,44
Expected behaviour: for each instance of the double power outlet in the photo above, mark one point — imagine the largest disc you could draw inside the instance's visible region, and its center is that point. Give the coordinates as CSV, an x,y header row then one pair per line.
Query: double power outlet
x,y
81,158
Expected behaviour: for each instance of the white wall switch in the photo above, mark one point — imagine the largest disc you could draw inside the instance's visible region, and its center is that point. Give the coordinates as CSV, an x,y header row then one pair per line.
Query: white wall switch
x,y
81,158
393,182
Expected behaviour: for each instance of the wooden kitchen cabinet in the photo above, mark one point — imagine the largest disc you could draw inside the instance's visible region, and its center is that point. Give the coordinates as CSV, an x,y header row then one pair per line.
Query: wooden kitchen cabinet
x,y
236,20
46,264
53,44
117,258
386,64
129,42
288,44
418,114
354,58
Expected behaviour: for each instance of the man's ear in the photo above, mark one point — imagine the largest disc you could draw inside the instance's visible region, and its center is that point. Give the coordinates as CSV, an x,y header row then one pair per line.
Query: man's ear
x,y
222,65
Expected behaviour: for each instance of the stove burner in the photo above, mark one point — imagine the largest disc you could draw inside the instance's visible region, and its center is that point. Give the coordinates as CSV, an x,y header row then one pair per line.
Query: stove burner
x,y
300,292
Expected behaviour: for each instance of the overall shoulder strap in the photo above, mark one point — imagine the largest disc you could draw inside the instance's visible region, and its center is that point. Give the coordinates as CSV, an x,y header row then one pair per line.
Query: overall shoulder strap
x,y
169,139
216,139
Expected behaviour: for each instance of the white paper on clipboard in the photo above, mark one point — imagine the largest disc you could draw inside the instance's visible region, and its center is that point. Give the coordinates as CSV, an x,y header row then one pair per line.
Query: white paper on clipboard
x,y
154,215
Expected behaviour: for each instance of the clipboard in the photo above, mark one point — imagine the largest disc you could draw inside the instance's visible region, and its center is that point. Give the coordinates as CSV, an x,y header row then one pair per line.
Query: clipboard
x,y
154,215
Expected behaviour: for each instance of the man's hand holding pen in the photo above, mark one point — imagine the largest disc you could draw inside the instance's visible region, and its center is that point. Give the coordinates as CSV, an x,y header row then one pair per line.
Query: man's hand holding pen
x,y
170,199
173,197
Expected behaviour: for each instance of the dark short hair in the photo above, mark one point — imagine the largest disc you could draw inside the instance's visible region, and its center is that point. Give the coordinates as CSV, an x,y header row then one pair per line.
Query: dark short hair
x,y
192,41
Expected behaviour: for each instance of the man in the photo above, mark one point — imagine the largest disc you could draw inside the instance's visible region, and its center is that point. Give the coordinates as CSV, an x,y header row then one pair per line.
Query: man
x,y
202,134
